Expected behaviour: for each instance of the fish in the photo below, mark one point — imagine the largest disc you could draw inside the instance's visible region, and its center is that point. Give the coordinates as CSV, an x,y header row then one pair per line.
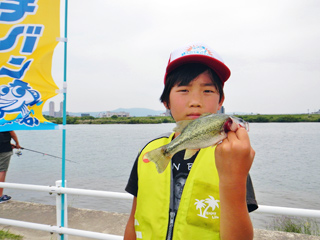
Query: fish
x,y
207,130
16,98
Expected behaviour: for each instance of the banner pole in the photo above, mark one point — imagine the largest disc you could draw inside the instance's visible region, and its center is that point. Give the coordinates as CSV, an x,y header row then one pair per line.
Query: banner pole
x,y
64,118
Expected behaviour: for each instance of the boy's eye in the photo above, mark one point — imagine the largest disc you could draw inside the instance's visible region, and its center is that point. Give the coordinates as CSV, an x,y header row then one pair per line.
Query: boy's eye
x,y
209,91
182,90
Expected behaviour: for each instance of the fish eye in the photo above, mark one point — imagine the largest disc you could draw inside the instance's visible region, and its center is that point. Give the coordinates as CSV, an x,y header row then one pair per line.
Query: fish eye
x,y
4,90
18,91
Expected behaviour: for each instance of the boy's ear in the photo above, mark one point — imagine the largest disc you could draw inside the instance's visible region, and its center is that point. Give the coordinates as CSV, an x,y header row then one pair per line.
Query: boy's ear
x,y
221,102
166,105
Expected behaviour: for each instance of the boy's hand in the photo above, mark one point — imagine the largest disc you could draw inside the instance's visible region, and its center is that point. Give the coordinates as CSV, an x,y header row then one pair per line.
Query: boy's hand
x,y
234,157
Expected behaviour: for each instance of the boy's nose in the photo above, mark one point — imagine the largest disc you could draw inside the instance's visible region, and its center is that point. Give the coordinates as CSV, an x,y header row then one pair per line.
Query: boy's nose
x,y
195,101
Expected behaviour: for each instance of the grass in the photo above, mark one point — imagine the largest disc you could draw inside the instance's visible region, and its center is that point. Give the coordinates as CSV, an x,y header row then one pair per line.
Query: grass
x,y
6,235
295,225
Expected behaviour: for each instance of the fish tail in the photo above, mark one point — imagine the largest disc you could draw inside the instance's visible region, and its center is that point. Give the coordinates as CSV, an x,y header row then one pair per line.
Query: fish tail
x,y
160,159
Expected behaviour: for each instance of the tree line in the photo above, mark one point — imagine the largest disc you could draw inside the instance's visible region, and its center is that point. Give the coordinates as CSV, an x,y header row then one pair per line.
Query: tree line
x,y
254,118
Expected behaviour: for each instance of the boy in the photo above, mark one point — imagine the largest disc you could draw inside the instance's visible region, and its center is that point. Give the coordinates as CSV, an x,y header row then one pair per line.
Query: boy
x,y
218,193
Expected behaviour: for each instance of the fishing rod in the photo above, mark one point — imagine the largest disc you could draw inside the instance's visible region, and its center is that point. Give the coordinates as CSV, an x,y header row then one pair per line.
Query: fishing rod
x,y
19,153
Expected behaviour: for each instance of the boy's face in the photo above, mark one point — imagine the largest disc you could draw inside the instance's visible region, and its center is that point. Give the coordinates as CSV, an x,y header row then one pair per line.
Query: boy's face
x,y
189,102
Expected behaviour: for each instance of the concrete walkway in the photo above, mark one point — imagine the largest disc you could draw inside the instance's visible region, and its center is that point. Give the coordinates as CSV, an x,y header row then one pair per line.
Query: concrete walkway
x,y
91,220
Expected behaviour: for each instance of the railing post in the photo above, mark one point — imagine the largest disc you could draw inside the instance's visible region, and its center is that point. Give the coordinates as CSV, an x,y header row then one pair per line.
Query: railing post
x,y
58,208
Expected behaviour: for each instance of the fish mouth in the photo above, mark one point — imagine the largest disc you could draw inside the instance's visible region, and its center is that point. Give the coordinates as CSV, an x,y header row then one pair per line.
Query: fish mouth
x,y
4,103
227,125
233,123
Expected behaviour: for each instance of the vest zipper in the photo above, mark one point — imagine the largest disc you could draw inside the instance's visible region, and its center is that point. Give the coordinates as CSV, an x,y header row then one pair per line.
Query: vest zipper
x,y
171,224
172,213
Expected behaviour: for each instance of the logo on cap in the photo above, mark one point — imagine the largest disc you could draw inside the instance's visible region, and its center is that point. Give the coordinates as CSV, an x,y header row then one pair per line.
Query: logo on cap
x,y
197,50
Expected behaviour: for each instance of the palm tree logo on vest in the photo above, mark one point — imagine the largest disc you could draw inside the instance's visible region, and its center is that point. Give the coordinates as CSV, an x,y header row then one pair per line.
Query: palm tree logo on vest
x,y
206,204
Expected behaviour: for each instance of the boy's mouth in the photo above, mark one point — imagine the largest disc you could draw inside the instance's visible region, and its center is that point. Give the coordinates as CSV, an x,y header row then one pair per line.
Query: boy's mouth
x,y
194,115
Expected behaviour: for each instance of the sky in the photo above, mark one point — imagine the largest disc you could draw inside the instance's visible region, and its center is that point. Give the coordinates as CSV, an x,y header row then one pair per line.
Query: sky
x,y
118,51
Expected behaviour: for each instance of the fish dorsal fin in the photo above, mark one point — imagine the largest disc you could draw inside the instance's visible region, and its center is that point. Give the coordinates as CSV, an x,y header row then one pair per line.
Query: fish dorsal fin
x,y
181,125
184,123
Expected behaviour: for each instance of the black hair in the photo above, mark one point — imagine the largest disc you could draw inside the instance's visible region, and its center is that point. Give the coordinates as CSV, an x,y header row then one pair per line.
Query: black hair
x,y
185,74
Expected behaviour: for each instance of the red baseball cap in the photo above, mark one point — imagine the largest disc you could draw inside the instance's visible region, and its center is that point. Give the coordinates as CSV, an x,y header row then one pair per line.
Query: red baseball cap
x,y
198,53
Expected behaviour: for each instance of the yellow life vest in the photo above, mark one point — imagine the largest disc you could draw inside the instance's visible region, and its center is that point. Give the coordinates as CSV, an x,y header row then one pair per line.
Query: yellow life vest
x,y
198,215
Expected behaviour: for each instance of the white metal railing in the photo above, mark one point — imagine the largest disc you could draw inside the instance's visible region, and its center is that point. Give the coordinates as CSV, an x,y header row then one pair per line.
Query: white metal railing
x,y
63,190
60,190
59,230
289,211
76,232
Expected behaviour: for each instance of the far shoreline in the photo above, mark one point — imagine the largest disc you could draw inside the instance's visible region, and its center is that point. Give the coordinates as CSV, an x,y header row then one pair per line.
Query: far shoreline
x,y
252,118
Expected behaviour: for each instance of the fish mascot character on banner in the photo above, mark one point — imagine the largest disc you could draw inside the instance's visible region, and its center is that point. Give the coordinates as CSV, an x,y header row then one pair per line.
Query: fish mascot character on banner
x,y
28,35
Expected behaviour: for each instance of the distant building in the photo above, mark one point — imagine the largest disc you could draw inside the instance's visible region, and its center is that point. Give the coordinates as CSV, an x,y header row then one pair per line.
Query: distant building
x,y
164,114
167,113
52,113
51,109
61,109
110,114
318,112
85,115
222,110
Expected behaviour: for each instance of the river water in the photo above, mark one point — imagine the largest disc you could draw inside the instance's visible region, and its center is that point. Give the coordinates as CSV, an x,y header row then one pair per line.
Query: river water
x,y
285,171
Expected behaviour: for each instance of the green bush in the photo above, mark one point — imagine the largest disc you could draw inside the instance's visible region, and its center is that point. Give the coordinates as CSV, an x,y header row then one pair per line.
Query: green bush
x,y
134,121
261,119
288,118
